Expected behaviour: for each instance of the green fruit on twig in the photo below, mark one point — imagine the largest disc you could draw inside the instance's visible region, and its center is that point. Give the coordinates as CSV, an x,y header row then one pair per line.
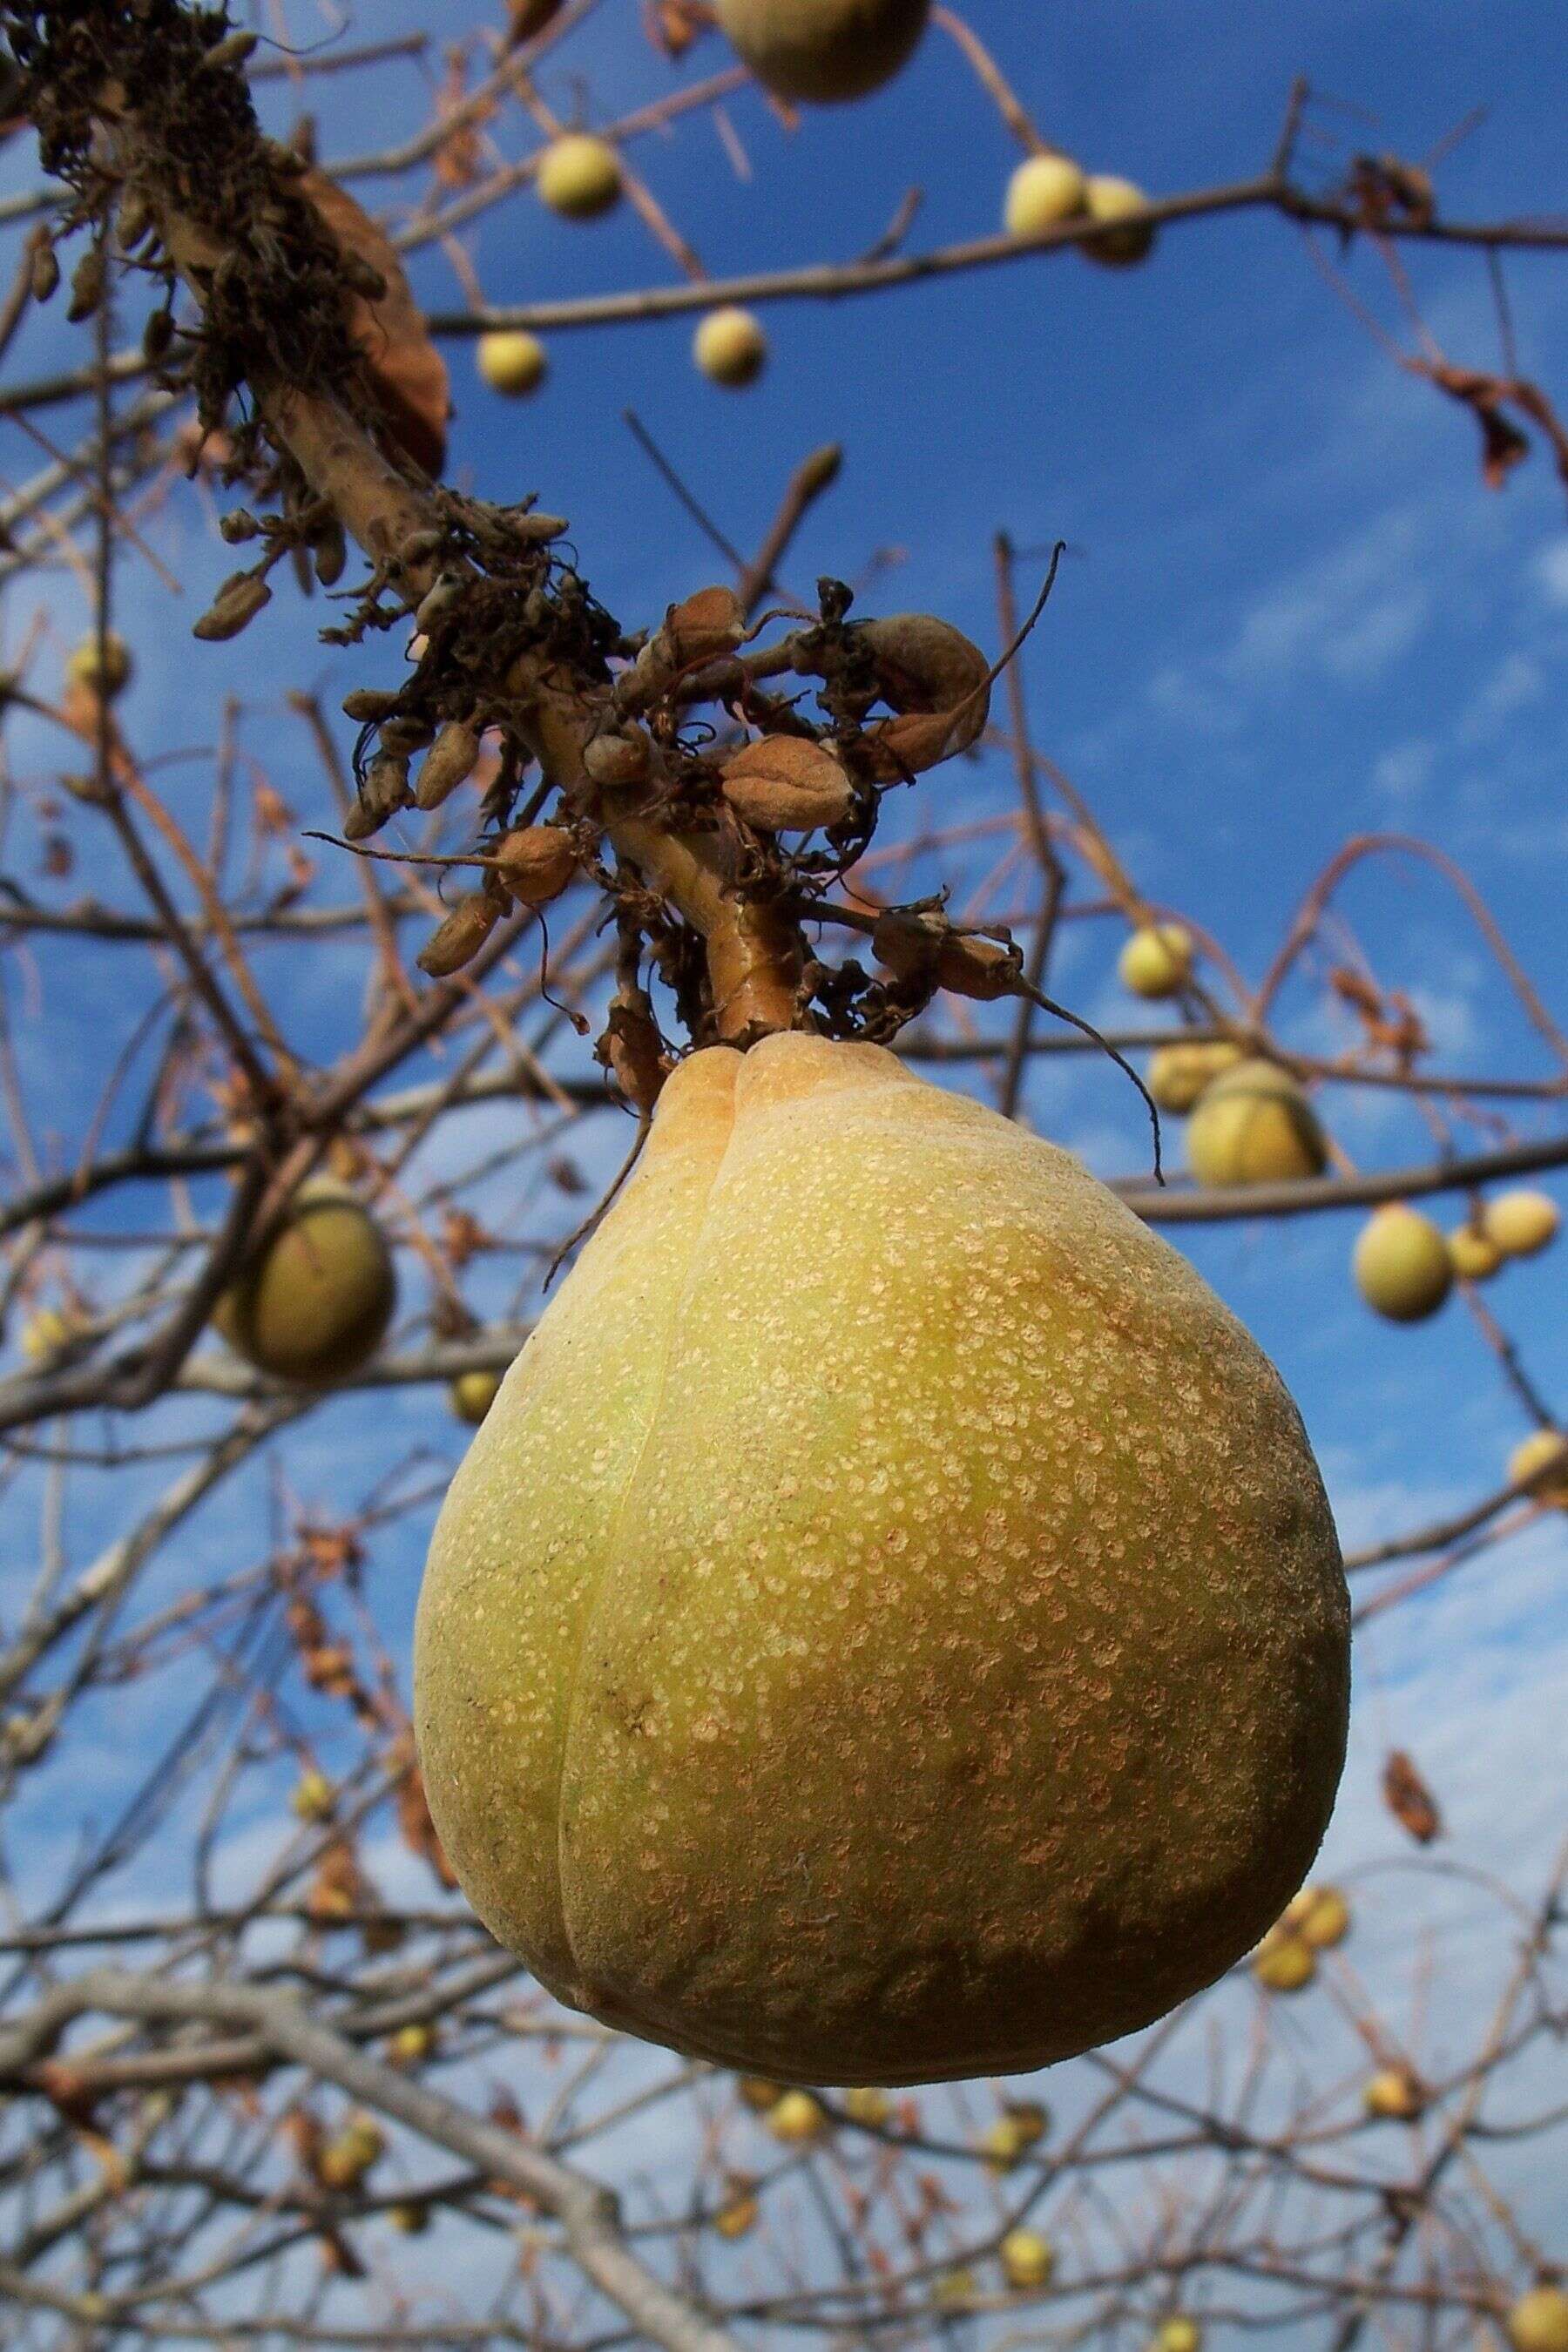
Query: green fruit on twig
x,y
1539,2320
1521,1223
1474,1253
1254,1125
823,51
1044,191
1402,1263
105,670
1027,2259
868,1441
1320,1915
513,362
1157,960
731,348
579,176
1543,1451
315,1304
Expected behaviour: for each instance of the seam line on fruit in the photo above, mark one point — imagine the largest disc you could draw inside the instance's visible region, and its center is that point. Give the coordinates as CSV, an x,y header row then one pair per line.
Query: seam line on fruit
x,y
612,1534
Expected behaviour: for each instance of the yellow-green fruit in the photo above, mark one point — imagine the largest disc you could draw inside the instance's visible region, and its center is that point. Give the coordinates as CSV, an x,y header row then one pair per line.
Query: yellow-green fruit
x,y
472,1395
824,51
1393,2094
1402,1263
879,1504
1474,1253
1539,2321
313,1306
1521,1223
797,2117
1320,1915
1178,2333
411,2043
513,362
344,2161
1110,199
313,1798
761,2095
579,176
1285,1963
953,2289
868,2105
730,347
106,670
739,2212
1179,1073
1254,1125
412,2219
1537,1453
1026,2258
1157,959
1043,191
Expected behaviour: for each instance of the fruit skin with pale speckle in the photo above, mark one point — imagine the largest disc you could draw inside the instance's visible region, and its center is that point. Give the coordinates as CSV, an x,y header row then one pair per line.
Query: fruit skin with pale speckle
x,y
1157,959
880,1502
513,362
315,1304
824,51
1402,1263
1044,191
1539,2320
1254,1125
579,176
731,348
1521,1223
1110,199
1535,1454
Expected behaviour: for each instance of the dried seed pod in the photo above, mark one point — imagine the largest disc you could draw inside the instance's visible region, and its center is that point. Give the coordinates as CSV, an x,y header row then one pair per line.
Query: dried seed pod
x,y
907,941
622,757
369,705
133,220
983,969
919,943
87,280
535,863
232,50
46,272
449,762
908,746
405,734
459,939
785,783
440,599
704,628
236,604
330,549
925,665
384,791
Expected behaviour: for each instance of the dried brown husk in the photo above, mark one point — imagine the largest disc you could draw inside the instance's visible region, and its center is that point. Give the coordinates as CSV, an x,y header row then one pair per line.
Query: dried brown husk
x,y
234,608
937,680
459,939
704,628
450,761
787,783
384,791
535,863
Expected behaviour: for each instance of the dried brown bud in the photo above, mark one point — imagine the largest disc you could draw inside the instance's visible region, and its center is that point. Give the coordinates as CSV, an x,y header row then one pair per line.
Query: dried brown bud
x,y
236,604
46,272
535,863
820,469
87,280
330,547
459,939
369,705
527,17
451,761
785,783
925,666
614,760
631,1051
404,733
384,791
979,968
232,50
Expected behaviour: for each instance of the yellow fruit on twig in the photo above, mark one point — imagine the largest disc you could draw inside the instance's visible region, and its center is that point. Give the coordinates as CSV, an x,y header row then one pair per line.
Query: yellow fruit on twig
x,y
1178,1073
1178,2333
513,362
1402,1263
1546,1448
797,2117
1027,2259
344,2161
105,670
1157,959
689,1821
739,2211
824,51
1111,200
1539,2320
1521,1223
472,1395
1016,2131
1474,1256
1045,191
1395,2096
866,2104
730,347
1284,1963
758,2094
1320,1915
315,1304
313,1798
1254,1125
579,176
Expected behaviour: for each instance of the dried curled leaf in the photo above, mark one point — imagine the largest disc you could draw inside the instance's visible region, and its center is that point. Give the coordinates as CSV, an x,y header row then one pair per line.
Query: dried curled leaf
x,y
535,863
784,783
406,370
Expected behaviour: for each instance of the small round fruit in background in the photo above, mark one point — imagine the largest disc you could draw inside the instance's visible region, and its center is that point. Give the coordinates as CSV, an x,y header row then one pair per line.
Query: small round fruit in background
x,y
824,51
1027,2259
472,1395
579,176
1402,1263
731,348
1157,959
1111,200
105,670
1043,191
1254,1125
513,362
1537,1453
1474,1256
1521,1223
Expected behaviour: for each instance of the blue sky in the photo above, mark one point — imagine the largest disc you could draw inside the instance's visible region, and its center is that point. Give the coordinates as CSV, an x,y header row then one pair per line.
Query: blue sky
x,y
1290,613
